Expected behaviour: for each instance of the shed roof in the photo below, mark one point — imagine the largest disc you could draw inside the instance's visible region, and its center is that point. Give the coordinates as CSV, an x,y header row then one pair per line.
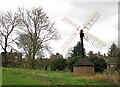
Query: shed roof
x,y
83,62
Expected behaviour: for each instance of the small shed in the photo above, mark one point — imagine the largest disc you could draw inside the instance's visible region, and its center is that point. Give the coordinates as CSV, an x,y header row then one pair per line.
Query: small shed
x,y
83,67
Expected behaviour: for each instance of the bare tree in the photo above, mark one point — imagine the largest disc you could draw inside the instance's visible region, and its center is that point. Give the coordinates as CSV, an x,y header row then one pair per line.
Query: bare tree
x,y
38,30
8,22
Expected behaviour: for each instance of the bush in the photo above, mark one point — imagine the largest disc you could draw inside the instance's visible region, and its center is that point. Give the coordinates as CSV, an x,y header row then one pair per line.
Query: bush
x,y
59,64
99,64
71,61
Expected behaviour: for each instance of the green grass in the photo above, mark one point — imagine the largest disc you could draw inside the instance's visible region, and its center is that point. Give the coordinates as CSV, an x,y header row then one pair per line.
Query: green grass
x,y
17,76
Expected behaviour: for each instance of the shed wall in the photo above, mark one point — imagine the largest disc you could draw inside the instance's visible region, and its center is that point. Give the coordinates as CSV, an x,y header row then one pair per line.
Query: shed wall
x,y
83,70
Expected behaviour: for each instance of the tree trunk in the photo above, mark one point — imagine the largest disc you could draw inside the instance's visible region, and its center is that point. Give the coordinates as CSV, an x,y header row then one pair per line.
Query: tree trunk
x,y
33,61
5,54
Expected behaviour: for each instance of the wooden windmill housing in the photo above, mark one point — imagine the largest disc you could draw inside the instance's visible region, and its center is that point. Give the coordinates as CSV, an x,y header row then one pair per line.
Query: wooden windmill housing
x,y
83,67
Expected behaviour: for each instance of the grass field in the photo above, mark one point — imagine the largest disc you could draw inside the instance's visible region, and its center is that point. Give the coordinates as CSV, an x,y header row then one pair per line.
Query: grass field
x,y
17,76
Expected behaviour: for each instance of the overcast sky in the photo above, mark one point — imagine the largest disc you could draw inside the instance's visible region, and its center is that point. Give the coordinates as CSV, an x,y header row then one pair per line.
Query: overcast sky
x,y
106,28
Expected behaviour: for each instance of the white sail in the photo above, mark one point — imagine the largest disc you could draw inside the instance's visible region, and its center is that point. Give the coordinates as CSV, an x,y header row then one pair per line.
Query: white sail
x,y
94,40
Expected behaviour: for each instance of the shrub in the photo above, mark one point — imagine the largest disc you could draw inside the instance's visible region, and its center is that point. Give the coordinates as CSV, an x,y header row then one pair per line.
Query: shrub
x,y
59,64
71,61
99,64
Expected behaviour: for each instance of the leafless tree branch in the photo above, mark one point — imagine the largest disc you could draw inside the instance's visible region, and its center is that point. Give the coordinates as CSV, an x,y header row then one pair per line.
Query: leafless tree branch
x,y
39,30
8,22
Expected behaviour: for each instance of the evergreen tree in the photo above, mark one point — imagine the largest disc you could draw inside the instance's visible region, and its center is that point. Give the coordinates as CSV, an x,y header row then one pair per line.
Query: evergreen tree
x,y
77,51
113,55
113,51
99,64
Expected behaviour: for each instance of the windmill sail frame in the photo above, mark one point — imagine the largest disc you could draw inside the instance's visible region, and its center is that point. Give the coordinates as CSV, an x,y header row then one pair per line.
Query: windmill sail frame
x,y
87,25
91,20
94,40
71,23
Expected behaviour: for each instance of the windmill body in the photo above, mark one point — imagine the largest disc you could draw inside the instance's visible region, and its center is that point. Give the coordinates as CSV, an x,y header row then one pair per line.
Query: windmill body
x,y
81,37
84,66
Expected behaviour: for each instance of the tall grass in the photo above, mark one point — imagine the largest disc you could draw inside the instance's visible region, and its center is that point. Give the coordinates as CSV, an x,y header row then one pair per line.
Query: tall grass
x,y
0,70
17,76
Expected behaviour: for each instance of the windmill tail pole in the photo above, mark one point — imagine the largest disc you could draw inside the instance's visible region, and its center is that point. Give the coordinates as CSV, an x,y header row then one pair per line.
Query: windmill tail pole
x,y
81,37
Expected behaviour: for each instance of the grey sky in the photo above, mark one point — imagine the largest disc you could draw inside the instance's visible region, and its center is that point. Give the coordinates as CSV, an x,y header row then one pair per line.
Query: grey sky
x,y
106,28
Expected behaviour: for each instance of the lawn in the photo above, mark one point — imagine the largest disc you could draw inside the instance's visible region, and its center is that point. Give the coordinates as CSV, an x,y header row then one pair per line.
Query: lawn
x,y
18,76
